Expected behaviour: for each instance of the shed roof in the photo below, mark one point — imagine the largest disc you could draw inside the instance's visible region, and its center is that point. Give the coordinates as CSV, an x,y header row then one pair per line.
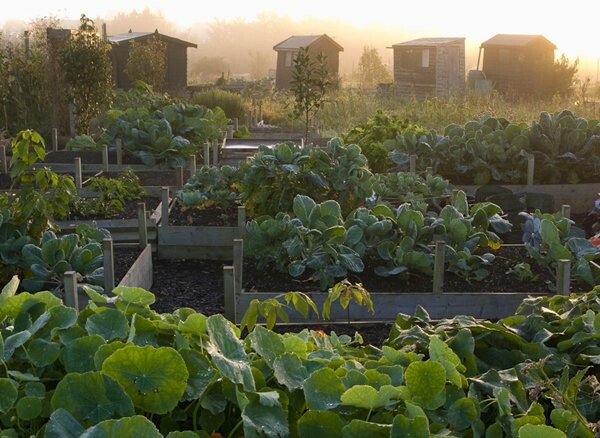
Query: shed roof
x,y
299,41
510,40
430,42
132,36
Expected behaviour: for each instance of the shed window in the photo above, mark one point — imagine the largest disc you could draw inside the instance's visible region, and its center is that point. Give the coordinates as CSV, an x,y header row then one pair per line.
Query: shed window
x,y
425,58
289,58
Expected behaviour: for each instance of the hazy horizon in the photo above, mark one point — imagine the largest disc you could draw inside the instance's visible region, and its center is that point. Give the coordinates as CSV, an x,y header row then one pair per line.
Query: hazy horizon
x,y
238,30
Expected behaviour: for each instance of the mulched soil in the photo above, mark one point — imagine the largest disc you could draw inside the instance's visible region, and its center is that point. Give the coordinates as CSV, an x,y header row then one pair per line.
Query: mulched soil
x,y
87,157
130,211
212,216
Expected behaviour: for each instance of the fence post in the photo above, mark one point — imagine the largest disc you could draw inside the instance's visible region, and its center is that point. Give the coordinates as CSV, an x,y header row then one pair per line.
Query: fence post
x,y
105,158
207,153
192,164
142,227
413,163
164,217
54,139
3,159
530,169
230,295
238,262
438,266
563,277
179,176
119,152
237,123
71,297
215,152
241,221
109,265
565,210
78,175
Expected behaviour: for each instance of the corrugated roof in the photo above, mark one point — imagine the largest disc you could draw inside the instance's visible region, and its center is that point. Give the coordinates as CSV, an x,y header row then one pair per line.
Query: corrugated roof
x,y
130,36
298,41
431,41
509,40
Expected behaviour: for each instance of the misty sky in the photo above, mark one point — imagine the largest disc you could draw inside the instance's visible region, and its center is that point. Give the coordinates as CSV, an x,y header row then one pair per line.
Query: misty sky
x,y
572,26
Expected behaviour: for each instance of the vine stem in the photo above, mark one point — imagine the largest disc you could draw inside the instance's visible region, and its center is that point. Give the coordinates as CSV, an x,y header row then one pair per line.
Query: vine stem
x,y
236,427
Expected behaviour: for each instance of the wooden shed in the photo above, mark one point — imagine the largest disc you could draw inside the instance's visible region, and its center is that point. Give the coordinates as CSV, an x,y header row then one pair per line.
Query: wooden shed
x,y
289,48
516,63
429,67
176,80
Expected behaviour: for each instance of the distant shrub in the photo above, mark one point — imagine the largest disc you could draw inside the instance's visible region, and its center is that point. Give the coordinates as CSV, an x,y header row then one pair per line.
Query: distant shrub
x,y
231,103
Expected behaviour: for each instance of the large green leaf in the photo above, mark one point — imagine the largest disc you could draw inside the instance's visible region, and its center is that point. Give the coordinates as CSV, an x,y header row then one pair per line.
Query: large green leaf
x,y
201,374
228,353
109,324
367,397
9,290
62,425
426,382
463,413
134,295
79,354
320,424
323,389
8,394
267,343
91,397
154,378
404,427
290,371
264,415
303,207
130,427
362,429
540,430
42,352
440,352
29,407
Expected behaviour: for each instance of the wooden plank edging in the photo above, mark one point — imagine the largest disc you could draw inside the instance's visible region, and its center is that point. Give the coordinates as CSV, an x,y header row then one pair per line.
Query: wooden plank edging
x,y
140,273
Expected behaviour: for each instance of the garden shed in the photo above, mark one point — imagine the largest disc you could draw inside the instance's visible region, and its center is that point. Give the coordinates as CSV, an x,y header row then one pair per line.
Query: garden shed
x,y
289,48
176,79
429,67
517,63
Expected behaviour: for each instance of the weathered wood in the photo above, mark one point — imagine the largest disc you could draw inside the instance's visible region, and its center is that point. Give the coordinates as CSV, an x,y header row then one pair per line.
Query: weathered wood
x,y
71,297
164,218
3,161
78,174
229,292
530,169
179,252
105,158
238,263
54,139
142,225
241,221
438,267
388,305
413,163
207,153
140,273
192,164
236,122
179,176
109,265
565,211
563,277
119,152
215,152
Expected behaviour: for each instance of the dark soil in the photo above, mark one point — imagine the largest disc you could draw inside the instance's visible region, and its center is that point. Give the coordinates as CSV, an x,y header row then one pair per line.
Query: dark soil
x,y
211,216
124,258
4,181
149,178
88,157
130,211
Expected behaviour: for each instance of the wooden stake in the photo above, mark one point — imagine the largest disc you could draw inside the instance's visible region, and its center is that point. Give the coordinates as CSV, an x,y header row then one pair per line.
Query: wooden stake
x,y
164,217
215,152
119,152
241,221
71,297
192,164
142,227
109,265
179,176
78,174
302,142
438,267
238,262
565,210
229,290
54,139
413,163
237,123
3,159
530,169
563,277
230,131
105,158
207,153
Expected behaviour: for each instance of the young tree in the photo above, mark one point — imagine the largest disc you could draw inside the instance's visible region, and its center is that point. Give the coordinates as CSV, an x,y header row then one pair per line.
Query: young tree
x,y
88,73
310,82
147,62
371,70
